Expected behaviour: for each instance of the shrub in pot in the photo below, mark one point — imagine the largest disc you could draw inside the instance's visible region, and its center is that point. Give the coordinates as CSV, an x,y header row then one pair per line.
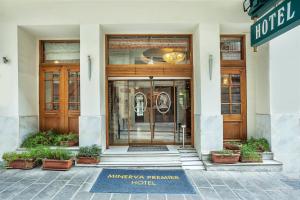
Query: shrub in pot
x,y
232,145
57,159
225,156
249,153
24,160
67,140
260,144
88,155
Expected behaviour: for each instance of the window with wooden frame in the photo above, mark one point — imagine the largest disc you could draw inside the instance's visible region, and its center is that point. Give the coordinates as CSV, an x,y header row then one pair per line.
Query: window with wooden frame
x,y
233,87
59,85
148,49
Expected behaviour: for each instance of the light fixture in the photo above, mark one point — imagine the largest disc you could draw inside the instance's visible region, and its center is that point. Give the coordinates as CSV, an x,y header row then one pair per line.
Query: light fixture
x,y
225,80
174,57
90,67
210,64
5,60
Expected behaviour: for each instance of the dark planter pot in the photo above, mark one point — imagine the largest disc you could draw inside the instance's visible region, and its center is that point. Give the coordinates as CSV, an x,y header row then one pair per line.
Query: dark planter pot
x,y
22,164
232,146
245,159
68,143
88,160
225,158
60,165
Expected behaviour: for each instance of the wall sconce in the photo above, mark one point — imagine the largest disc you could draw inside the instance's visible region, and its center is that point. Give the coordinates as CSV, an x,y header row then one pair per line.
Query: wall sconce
x,y
210,65
5,60
90,67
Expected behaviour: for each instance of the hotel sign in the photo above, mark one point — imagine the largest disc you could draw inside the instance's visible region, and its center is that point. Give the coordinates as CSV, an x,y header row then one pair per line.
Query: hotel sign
x,y
281,19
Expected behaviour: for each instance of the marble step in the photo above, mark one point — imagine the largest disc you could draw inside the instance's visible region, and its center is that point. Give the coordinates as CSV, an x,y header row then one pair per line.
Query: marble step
x,y
135,164
265,166
183,159
187,150
141,157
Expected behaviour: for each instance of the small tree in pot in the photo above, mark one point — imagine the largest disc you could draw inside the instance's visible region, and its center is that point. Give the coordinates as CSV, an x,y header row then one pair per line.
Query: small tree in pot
x,y
89,155
249,153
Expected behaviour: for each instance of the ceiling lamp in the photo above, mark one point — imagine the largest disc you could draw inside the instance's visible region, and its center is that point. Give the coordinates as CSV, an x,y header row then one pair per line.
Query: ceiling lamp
x,y
174,57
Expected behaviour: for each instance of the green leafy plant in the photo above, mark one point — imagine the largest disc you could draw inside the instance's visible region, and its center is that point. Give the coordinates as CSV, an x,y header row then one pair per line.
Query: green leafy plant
x,y
225,152
260,144
35,140
57,154
89,151
12,156
249,152
49,138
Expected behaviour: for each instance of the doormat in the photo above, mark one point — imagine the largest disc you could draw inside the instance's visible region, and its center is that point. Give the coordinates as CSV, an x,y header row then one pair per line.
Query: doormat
x,y
142,181
147,148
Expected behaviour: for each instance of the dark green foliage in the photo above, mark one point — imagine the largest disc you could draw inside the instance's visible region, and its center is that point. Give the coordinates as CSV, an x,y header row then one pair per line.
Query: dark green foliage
x,y
49,138
249,152
57,154
89,151
225,152
260,144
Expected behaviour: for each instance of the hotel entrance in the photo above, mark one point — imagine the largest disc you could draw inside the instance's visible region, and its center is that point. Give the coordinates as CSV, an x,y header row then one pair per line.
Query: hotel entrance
x,y
149,111
149,89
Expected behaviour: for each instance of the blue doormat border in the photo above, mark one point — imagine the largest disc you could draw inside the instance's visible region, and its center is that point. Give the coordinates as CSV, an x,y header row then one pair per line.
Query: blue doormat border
x,y
143,181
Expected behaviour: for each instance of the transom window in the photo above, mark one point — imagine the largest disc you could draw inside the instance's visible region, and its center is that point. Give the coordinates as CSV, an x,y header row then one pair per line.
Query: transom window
x,y
60,52
160,49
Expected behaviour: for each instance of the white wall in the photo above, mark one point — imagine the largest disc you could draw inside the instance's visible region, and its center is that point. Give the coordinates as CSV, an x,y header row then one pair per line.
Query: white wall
x,y
28,84
284,84
9,121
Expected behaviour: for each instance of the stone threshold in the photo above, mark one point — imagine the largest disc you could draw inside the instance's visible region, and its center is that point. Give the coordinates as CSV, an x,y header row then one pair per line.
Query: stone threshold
x,y
265,166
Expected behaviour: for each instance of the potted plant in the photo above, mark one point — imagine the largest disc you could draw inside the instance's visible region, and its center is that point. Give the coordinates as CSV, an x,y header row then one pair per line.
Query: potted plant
x,y
88,155
67,140
249,153
225,156
232,145
260,144
24,160
57,159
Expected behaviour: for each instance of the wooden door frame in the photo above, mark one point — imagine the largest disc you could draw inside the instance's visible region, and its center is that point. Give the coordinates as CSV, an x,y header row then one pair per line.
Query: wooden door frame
x,y
63,91
243,90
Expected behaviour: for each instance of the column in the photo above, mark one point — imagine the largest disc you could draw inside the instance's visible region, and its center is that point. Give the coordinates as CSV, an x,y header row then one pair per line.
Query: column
x,y
92,119
207,93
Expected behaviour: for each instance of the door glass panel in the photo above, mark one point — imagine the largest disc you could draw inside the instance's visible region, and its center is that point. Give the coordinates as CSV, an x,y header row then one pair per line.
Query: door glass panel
x,y
74,91
236,109
230,94
139,111
118,111
182,110
225,94
163,111
52,90
235,95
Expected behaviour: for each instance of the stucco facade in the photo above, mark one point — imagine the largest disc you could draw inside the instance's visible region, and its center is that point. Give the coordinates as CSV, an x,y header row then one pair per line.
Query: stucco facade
x,y
273,94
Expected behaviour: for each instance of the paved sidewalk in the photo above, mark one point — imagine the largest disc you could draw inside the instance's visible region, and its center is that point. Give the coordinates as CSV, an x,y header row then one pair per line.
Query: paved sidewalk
x,y
75,184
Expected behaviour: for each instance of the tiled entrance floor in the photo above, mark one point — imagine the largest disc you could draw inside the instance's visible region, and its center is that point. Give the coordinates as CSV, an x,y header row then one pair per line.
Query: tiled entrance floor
x,y
75,184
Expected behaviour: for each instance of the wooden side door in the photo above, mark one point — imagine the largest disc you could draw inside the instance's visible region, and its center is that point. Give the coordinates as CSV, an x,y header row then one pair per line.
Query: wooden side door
x,y
59,98
234,107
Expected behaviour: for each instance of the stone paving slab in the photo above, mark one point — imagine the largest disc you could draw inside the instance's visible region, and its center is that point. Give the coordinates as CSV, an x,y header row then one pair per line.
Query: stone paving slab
x,y
75,184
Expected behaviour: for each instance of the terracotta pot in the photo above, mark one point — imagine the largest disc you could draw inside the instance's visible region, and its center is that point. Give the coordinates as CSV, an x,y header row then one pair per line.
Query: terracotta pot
x,y
232,146
68,143
251,160
22,164
49,164
88,160
225,158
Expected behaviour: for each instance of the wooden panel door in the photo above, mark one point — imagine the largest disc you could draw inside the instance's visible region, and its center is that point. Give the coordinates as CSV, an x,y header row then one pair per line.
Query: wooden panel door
x,y
59,98
233,99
